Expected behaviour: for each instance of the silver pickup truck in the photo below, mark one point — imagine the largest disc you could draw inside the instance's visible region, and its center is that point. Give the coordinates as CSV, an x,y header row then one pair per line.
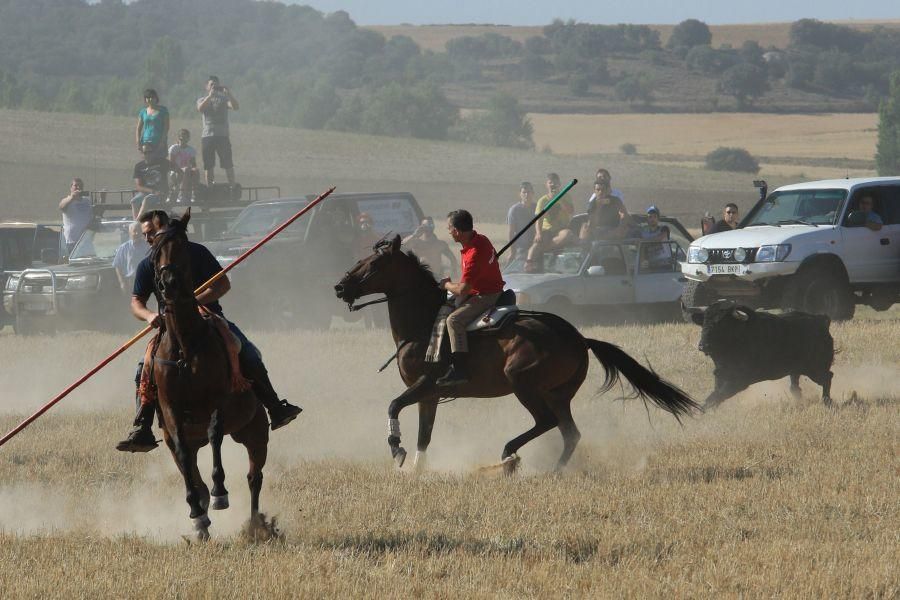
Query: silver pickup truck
x,y
623,280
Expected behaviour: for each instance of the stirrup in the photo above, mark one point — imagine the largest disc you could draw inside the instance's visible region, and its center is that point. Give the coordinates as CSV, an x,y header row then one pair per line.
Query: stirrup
x,y
139,440
283,413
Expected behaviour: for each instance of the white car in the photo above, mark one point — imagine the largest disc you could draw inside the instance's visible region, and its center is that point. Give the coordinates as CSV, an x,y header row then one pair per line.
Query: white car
x,y
805,246
606,280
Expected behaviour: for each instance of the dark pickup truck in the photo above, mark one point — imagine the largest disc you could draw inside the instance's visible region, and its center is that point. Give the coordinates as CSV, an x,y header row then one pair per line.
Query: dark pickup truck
x,y
288,282
25,246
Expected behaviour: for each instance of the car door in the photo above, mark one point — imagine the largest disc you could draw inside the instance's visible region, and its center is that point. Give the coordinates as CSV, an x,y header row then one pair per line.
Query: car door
x,y
873,256
658,275
612,283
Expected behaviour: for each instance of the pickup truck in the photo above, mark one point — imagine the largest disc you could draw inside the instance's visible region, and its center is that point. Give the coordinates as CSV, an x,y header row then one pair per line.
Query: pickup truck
x,y
807,247
287,283
22,246
606,281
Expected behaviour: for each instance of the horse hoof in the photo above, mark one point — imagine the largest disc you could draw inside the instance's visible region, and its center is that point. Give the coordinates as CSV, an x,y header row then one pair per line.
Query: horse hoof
x,y
420,462
201,527
399,458
511,464
220,502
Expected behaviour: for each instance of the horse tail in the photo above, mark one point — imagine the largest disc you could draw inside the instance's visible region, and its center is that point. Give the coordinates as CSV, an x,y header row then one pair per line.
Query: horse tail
x,y
645,382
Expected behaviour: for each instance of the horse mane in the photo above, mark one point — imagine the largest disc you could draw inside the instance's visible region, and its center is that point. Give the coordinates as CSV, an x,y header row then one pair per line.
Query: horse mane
x,y
424,269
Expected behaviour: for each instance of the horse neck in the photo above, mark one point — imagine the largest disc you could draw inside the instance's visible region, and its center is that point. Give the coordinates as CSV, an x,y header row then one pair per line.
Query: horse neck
x,y
183,321
412,313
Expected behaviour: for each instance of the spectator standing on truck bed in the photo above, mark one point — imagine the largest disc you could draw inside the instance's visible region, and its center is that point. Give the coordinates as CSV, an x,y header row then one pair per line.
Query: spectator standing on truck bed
x,y
604,177
608,219
215,138
185,175
518,217
431,250
153,125
77,213
128,256
729,219
151,181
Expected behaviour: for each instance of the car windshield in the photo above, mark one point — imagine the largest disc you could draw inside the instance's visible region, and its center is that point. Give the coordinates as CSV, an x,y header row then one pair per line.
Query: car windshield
x,y
260,219
101,241
807,207
567,261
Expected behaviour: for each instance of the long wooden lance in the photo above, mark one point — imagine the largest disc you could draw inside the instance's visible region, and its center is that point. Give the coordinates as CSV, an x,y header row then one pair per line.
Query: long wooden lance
x,y
147,329
531,223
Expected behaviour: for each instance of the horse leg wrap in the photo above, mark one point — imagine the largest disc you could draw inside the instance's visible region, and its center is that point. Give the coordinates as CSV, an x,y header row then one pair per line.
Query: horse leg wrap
x,y
394,429
201,522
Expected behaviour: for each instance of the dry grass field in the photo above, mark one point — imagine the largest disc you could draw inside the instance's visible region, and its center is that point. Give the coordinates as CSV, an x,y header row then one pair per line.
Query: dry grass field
x,y
435,37
765,497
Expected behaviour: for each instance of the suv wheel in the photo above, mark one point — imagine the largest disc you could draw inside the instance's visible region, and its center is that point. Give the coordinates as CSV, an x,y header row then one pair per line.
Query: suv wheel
x,y
820,292
27,325
695,293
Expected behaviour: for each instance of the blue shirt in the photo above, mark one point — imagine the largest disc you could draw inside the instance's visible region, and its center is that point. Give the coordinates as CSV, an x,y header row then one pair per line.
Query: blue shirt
x,y
153,127
203,266
129,255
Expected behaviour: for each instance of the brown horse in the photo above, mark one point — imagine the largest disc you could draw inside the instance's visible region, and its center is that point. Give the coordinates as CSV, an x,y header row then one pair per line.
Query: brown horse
x,y
540,357
193,379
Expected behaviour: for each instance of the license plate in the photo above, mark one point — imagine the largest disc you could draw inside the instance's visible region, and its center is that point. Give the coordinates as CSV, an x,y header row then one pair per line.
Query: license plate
x,y
36,306
726,269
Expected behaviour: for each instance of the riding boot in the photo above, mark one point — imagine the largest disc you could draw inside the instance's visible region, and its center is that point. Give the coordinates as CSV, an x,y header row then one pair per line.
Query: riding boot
x,y
281,412
141,438
458,373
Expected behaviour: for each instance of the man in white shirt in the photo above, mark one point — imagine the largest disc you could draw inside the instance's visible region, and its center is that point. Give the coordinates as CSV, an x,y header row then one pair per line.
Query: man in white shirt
x,y
77,213
128,255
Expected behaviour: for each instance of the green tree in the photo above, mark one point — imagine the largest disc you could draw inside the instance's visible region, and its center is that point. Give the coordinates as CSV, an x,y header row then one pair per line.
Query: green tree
x,y
690,33
887,154
635,88
745,82
504,123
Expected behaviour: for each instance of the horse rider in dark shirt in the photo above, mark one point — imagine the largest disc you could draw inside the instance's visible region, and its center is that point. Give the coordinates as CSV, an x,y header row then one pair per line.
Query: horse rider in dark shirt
x,y
203,266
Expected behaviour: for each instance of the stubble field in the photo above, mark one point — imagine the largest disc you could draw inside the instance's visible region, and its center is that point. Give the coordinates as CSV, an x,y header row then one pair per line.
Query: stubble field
x,y
767,496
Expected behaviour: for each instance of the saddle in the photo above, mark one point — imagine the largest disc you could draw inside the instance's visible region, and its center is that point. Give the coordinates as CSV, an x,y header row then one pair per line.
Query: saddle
x,y
490,322
497,317
231,343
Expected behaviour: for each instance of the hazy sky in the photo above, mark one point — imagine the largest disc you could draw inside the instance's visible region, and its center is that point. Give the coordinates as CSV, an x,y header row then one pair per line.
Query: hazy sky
x,y
541,12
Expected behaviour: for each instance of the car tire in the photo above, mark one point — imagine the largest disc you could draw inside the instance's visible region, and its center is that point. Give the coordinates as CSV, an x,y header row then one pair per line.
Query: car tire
x,y
695,293
822,292
26,325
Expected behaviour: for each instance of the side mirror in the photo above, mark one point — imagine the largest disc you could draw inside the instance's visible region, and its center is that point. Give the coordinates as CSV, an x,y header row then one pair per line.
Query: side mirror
x,y
596,271
50,256
856,218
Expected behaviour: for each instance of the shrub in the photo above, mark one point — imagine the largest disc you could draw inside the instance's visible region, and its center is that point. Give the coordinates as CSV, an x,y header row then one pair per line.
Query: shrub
x,y
578,85
628,148
633,88
690,33
504,123
731,159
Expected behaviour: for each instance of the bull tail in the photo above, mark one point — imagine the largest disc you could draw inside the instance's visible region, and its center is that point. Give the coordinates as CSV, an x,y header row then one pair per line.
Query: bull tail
x,y
645,382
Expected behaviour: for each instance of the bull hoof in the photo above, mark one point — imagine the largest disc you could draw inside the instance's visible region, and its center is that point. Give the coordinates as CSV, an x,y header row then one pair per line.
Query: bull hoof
x,y
220,502
511,464
399,457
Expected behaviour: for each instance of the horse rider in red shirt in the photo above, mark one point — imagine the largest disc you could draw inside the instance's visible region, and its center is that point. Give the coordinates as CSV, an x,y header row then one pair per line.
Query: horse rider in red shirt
x,y
476,292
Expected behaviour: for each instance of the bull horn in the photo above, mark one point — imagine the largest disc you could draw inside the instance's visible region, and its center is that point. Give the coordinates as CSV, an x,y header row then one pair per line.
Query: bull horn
x,y
740,314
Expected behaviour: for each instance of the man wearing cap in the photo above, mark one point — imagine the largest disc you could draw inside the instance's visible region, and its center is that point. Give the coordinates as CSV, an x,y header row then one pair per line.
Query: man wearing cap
x,y
477,291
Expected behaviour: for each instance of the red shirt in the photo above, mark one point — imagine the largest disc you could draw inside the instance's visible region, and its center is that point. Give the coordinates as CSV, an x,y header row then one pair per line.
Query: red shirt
x,y
480,267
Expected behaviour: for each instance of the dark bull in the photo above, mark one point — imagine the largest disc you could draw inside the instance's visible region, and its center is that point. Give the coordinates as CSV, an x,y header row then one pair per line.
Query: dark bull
x,y
748,347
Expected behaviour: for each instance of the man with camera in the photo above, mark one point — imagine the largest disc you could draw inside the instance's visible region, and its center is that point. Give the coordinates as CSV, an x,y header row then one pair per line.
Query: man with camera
x,y
77,213
431,249
215,138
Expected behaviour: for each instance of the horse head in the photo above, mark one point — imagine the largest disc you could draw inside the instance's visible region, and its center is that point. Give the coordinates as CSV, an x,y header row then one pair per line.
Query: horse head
x,y
171,262
386,270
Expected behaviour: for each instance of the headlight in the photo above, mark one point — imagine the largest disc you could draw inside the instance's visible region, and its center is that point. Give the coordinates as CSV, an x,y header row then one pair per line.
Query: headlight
x,y
87,281
697,254
773,253
739,254
12,283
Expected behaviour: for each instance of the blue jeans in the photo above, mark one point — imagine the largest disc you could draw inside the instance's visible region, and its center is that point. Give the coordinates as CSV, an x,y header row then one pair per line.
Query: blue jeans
x,y
249,352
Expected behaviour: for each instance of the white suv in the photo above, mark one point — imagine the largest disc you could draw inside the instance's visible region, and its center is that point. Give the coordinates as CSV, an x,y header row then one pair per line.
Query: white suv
x,y
805,246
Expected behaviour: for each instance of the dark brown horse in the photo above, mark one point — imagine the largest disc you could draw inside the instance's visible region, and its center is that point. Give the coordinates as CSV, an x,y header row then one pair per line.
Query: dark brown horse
x,y
540,357
194,386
